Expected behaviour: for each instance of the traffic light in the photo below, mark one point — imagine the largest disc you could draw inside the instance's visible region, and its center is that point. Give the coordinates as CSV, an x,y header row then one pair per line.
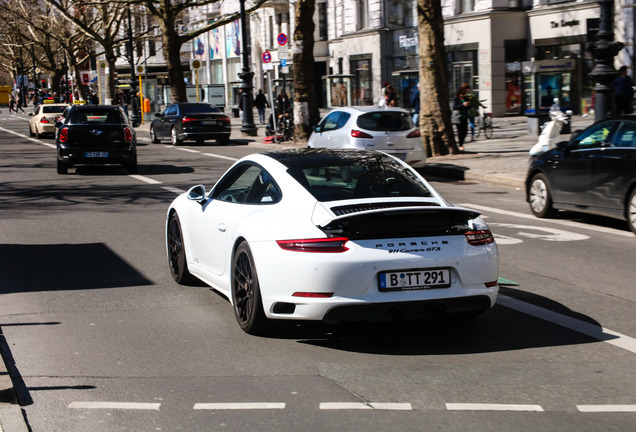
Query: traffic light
x,y
43,83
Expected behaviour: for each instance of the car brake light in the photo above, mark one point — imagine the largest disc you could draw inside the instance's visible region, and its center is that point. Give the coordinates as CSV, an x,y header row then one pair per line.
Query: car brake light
x,y
359,134
312,294
225,119
44,120
491,284
189,120
128,135
328,245
63,135
480,237
414,134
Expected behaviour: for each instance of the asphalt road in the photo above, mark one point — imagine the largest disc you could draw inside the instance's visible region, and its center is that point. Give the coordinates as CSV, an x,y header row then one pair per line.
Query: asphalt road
x,y
100,338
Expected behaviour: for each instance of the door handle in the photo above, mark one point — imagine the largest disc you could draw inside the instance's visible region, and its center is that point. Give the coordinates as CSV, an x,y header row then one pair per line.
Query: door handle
x,y
221,227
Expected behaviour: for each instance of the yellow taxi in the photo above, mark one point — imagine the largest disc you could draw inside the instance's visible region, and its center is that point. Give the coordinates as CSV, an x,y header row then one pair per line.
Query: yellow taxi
x,y
43,118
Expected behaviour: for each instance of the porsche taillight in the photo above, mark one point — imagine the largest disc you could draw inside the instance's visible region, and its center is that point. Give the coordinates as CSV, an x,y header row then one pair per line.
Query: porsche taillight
x,y
321,245
479,237
63,135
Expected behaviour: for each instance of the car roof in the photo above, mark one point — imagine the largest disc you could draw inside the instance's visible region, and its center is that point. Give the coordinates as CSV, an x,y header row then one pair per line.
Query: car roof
x,y
366,109
91,106
297,157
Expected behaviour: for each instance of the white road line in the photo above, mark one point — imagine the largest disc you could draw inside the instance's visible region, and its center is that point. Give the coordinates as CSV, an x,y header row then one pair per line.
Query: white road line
x,y
188,150
173,190
115,405
606,408
240,406
492,407
145,179
611,337
389,406
570,224
220,157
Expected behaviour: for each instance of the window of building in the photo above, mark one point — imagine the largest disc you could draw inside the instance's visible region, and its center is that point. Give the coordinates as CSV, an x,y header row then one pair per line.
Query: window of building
x,y
270,38
139,47
152,49
363,14
467,5
400,13
362,82
323,34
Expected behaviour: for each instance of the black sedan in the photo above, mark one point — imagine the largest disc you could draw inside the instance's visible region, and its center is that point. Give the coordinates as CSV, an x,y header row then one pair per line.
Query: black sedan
x,y
191,122
95,135
594,172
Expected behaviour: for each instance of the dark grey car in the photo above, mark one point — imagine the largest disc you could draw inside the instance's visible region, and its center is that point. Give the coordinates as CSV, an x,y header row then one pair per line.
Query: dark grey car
x,y
191,122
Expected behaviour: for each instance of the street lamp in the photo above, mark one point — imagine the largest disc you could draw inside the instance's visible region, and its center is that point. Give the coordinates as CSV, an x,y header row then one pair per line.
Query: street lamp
x,y
247,126
135,117
604,51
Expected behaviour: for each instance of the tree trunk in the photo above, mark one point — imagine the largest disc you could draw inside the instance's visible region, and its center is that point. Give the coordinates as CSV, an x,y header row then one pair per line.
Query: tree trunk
x,y
435,110
306,113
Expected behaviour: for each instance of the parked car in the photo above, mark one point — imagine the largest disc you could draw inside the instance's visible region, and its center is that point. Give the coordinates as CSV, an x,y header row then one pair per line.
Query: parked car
x,y
332,235
198,122
44,117
390,130
594,172
95,135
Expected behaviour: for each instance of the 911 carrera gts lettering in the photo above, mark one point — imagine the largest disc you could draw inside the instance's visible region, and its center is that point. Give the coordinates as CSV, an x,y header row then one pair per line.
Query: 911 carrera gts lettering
x,y
428,249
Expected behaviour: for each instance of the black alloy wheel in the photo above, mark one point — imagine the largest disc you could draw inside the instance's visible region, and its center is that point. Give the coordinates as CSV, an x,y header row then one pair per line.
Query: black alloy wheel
x,y
174,137
246,294
176,252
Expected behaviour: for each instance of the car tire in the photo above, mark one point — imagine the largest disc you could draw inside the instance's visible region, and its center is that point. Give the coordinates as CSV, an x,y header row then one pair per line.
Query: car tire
x,y
62,168
31,133
631,211
177,261
132,166
539,197
153,136
174,137
246,293
223,141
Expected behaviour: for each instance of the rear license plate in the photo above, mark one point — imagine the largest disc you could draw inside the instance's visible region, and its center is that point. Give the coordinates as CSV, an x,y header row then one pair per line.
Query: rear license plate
x,y
209,122
414,280
96,154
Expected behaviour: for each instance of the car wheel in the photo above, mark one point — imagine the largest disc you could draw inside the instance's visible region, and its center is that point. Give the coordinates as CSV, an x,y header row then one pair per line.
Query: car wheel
x,y
153,136
62,168
37,134
132,166
246,294
631,211
175,138
31,133
223,141
539,197
176,252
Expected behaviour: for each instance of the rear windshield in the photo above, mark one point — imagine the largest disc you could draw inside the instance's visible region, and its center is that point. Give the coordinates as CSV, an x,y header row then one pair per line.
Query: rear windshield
x,y
95,115
199,108
53,109
385,121
363,178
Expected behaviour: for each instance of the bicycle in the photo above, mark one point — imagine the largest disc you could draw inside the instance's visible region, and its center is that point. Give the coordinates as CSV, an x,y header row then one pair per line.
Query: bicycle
x,y
484,123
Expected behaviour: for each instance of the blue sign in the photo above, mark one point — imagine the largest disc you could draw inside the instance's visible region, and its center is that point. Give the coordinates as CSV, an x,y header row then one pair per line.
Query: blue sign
x,y
283,62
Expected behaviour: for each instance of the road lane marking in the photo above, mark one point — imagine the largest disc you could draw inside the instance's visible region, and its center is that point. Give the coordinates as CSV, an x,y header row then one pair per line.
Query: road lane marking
x,y
492,407
220,157
115,405
597,332
366,406
570,224
544,233
145,179
606,408
240,406
188,150
173,190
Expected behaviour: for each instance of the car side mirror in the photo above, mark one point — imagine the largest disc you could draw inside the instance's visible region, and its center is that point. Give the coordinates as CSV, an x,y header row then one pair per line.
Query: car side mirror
x,y
31,114
158,115
562,145
197,193
318,128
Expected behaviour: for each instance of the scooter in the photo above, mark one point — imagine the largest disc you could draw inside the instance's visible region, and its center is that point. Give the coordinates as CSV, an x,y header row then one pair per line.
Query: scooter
x,y
550,133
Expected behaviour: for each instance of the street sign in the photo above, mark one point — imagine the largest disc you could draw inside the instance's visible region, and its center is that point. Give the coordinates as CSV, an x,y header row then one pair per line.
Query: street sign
x,y
267,57
283,62
195,64
140,69
282,39
283,52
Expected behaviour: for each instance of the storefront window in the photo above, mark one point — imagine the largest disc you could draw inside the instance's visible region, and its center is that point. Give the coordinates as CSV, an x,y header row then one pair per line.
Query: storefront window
x,y
362,88
400,13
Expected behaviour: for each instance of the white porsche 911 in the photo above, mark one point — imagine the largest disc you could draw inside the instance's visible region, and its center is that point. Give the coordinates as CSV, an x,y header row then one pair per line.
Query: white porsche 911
x,y
331,235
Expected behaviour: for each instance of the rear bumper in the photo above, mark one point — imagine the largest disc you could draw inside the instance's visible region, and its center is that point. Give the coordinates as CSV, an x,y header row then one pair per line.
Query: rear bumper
x,y
204,135
73,156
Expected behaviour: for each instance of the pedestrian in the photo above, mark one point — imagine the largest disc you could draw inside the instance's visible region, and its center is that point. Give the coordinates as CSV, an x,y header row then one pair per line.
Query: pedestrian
x,y
415,104
624,89
460,106
473,109
260,102
282,102
391,96
12,105
19,105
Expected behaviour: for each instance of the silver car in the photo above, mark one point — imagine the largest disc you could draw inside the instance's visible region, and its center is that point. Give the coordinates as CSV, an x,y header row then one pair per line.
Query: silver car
x,y
371,128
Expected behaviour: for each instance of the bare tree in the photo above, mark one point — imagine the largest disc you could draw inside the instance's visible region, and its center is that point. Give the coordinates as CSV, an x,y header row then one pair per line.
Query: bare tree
x,y
306,113
168,14
435,122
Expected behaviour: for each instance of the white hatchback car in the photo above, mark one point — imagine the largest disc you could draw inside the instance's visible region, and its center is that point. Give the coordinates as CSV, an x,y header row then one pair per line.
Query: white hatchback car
x,y
389,130
43,119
